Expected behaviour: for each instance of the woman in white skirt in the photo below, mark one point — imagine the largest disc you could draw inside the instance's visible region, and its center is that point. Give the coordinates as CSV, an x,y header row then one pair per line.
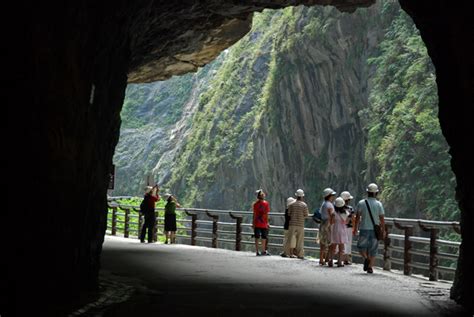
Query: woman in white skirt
x,y
351,215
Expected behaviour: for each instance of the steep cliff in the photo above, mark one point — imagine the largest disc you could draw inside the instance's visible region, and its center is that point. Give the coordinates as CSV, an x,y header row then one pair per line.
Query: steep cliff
x,y
156,118
294,84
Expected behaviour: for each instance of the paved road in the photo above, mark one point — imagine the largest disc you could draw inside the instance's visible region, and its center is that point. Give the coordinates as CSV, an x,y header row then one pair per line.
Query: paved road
x,y
182,280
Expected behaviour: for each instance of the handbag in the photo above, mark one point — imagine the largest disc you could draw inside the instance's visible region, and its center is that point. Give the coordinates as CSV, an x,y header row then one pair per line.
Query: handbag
x,y
377,229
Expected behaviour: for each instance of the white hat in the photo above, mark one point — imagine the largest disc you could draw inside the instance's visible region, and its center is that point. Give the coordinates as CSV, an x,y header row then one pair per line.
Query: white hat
x,y
289,201
339,202
299,193
148,189
328,191
372,188
258,191
346,195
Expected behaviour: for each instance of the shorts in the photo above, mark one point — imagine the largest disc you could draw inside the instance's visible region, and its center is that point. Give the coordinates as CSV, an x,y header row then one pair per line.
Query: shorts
x,y
368,242
260,233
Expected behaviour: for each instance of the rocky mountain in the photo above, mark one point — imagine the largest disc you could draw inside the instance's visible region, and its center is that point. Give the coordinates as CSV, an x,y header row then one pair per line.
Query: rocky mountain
x,y
283,108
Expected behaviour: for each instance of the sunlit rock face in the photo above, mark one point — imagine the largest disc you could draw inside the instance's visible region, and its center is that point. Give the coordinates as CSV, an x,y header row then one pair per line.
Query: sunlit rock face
x,y
73,61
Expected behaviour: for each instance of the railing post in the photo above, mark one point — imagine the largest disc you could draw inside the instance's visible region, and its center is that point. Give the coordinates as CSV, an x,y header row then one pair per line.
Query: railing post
x,y
238,231
387,264
215,218
126,224
155,227
407,246
433,251
114,221
193,226
140,221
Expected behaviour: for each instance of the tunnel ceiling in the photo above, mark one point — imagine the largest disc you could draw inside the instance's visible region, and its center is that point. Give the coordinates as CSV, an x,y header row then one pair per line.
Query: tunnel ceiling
x,y
182,36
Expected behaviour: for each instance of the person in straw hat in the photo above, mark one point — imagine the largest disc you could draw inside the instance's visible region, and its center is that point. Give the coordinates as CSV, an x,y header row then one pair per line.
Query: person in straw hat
x,y
147,208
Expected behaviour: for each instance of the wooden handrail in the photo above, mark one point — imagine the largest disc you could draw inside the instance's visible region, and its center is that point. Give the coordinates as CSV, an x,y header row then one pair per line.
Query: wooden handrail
x,y
433,250
193,226
215,219
408,227
238,230
408,230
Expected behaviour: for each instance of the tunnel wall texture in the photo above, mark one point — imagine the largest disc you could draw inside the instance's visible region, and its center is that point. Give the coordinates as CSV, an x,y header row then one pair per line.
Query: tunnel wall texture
x,y
447,30
71,64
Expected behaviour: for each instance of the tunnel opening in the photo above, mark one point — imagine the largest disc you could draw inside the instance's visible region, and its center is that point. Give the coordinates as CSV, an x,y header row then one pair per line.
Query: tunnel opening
x,y
76,60
393,77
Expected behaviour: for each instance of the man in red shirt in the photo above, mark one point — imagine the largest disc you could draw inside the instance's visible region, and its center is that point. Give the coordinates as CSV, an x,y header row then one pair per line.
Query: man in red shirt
x,y
148,211
261,208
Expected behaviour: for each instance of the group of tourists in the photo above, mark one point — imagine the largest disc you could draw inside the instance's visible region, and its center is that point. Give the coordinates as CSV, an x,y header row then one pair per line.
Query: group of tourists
x,y
339,222
147,209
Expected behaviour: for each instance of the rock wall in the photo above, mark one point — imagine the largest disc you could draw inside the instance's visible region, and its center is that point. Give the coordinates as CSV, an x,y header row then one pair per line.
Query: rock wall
x,y
292,91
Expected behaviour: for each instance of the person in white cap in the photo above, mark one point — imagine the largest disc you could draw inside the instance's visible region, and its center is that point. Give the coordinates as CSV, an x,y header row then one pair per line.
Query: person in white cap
x,y
338,232
298,211
327,210
288,247
351,217
368,243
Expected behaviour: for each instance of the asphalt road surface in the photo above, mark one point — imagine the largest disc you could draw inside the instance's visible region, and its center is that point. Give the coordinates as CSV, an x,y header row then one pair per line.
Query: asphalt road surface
x,y
181,280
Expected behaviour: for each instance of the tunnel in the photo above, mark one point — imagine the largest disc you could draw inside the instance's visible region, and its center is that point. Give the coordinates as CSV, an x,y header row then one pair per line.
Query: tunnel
x,y
71,63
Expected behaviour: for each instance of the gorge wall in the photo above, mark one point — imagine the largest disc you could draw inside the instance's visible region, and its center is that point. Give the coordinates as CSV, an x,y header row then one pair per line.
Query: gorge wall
x,y
309,98
279,110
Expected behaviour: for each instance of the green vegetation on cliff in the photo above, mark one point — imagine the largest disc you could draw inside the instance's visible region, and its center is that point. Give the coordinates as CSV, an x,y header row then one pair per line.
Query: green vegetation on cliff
x,y
310,98
406,148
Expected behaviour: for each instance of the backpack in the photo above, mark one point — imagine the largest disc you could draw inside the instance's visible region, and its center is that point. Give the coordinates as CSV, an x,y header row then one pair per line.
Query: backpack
x,y
317,216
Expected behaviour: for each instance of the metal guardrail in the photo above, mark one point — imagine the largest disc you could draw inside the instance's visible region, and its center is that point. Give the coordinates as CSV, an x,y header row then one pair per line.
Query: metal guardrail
x,y
194,232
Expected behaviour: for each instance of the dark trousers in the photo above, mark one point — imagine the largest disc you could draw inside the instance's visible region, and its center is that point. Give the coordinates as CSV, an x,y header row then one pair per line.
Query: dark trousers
x,y
148,225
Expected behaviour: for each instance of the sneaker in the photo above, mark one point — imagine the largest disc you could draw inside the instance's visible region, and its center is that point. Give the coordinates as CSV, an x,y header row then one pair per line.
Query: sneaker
x,y
142,241
347,263
366,264
283,255
266,253
340,265
301,257
258,253
293,256
370,270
